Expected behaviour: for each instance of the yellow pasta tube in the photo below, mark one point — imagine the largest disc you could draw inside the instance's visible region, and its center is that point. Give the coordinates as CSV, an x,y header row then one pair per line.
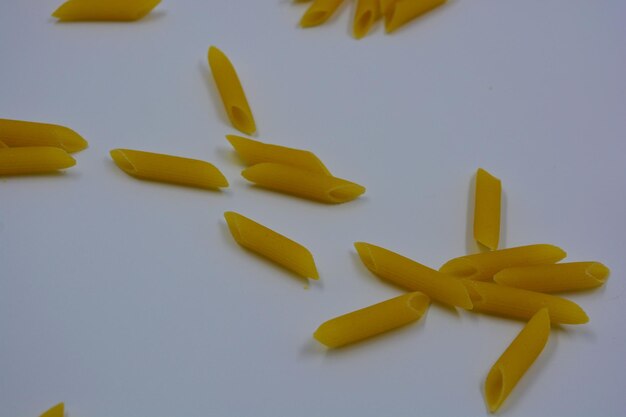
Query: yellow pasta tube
x,y
373,320
403,11
413,276
17,133
168,168
516,359
254,152
302,183
231,91
33,160
483,266
56,411
572,276
366,14
386,6
104,10
271,245
487,209
522,304
319,12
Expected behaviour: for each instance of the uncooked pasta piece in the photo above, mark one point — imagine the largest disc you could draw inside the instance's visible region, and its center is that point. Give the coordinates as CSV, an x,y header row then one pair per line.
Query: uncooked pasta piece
x,y
413,276
373,320
33,160
516,359
104,10
401,12
386,5
319,12
56,411
271,245
571,276
18,133
483,266
168,168
487,209
231,91
522,304
302,183
254,152
366,14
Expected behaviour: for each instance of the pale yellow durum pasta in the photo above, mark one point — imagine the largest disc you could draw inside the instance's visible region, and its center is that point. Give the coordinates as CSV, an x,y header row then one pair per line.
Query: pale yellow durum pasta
x,y
56,411
231,91
413,276
271,245
366,14
373,320
319,12
168,168
104,10
521,304
483,266
18,133
302,183
516,359
33,160
386,5
487,209
400,12
253,152
570,276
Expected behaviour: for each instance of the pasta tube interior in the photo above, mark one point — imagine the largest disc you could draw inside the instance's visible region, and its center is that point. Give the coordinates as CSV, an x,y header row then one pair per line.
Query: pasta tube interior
x,y
572,276
56,411
366,14
108,10
319,12
33,160
18,133
487,209
400,12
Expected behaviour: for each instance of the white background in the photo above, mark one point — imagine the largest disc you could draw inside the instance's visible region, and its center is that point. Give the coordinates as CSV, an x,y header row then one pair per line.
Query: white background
x,y
129,298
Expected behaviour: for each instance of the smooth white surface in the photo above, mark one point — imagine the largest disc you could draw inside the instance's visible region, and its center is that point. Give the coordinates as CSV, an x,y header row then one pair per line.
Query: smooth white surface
x,y
128,298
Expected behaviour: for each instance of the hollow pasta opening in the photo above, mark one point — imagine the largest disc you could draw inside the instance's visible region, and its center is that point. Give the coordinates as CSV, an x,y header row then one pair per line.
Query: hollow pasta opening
x,y
474,295
363,23
233,225
314,18
419,302
494,388
460,268
344,193
122,161
598,272
241,120
366,256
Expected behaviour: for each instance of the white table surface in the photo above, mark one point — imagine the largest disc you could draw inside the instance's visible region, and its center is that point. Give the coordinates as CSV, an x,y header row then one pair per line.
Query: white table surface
x,y
128,298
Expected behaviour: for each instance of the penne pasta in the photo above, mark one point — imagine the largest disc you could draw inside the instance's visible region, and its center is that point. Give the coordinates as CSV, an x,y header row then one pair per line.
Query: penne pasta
x,y
487,209
231,91
572,276
56,411
302,183
319,12
33,160
413,276
366,14
483,266
169,169
271,245
104,10
386,6
400,12
516,359
521,304
18,133
254,152
373,320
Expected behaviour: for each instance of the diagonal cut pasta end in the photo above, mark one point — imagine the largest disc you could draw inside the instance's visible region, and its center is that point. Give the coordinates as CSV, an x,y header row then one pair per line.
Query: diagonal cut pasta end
x,y
122,161
494,388
242,120
56,411
460,268
345,192
233,225
313,18
365,253
599,272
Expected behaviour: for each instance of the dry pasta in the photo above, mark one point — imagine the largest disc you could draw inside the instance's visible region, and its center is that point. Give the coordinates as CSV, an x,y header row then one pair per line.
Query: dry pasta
x,y
231,91
271,245
516,359
56,411
366,14
33,160
522,304
302,183
319,12
413,276
168,168
18,133
570,276
401,12
386,5
487,209
108,10
254,152
483,266
373,320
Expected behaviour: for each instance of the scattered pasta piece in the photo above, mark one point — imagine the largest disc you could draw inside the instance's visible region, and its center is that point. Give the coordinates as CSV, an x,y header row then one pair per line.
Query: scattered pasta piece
x,y
302,183
254,152
487,209
319,12
18,133
366,14
168,168
571,276
373,320
413,276
522,304
231,91
104,10
483,266
56,411
271,245
516,359
400,12
386,5
33,160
